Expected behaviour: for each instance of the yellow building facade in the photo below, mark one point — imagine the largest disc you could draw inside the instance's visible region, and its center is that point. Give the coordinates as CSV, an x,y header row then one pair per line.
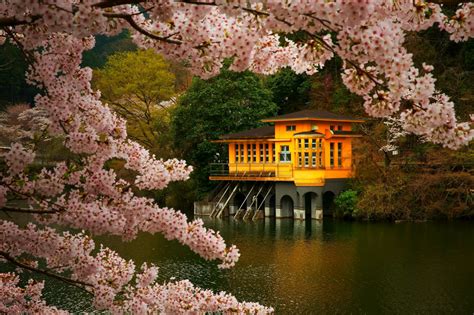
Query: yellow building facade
x,y
301,153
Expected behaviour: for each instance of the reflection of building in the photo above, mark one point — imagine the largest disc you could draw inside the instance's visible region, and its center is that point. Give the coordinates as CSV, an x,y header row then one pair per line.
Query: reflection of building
x,y
291,169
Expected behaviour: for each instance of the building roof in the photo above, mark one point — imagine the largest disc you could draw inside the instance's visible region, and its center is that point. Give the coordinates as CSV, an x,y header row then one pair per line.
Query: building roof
x,y
260,132
313,114
344,133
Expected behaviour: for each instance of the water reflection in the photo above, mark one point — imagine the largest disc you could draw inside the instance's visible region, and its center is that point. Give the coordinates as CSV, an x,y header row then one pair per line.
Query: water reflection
x,y
307,267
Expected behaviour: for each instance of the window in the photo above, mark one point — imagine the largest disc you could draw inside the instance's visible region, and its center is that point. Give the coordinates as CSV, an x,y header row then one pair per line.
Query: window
x,y
339,154
237,153
320,158
273,153
320,144
299,143
261,152
313,143
313,159
299,159
314,127
249,153
306,159
290,128
242,150
285,155
331,154
306,143
266,152
331,127
254,152
339,127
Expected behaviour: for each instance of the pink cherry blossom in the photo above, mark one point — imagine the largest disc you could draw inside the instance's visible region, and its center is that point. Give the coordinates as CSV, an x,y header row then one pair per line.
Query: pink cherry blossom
x,y
83,193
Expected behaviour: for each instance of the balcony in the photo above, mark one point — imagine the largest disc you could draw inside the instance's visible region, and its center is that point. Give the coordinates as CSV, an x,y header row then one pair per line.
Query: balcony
x,y
251,171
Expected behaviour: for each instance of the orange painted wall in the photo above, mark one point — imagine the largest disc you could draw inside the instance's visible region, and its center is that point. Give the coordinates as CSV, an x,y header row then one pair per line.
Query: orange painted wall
x,y
302,176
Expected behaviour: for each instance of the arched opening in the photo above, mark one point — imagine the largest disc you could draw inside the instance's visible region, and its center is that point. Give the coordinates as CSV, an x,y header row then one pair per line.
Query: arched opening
x,y
239,201
309,204
328,203
287,206
272,205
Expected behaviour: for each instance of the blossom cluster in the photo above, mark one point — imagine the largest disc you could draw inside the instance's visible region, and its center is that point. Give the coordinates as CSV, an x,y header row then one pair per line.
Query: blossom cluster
x,y
84,193
17,300
104,274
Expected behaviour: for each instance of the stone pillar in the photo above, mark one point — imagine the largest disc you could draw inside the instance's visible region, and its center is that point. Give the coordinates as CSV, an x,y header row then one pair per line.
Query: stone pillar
x,y
299,211
318,208
278,212
267,207
233,209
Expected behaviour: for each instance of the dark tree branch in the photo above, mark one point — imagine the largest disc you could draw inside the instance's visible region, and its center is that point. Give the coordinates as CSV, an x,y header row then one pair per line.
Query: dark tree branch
x,y
13,21
32,211
77,283
132,23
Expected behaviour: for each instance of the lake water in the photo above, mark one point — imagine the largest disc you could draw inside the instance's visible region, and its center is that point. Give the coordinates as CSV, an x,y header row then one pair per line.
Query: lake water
x,y
323,267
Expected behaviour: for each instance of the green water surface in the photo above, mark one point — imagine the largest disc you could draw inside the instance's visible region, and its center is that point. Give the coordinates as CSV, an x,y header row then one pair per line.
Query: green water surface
x,y
328,267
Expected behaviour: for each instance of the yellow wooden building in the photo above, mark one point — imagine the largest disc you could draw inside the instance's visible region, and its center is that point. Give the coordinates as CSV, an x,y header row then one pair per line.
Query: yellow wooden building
x,y
286,169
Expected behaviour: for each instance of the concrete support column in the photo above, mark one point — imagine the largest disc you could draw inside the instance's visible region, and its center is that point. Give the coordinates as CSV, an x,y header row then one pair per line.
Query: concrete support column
x,y
299,207
267,207
318,208
233,209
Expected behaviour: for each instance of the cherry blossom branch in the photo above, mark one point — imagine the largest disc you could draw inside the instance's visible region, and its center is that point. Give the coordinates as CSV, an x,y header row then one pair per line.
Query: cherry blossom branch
x,y
129,19
13,21
77,283
28,56
27,210
114,3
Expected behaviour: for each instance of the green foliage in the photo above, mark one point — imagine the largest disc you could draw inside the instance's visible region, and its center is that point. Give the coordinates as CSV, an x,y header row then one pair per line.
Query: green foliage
x,y
438,188
290,90
106,46
227,103
135,83
346,204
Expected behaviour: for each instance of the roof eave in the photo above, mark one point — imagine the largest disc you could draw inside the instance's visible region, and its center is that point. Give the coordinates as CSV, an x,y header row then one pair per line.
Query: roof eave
x,y
312,118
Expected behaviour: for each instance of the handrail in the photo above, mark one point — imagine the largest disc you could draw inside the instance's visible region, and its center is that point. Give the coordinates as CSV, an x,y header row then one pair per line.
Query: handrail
x,y
252,169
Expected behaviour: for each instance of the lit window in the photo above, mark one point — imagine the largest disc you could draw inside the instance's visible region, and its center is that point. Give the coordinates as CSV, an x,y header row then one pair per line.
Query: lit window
x,y
331,154
273,153
331,127
266,152
339,154
242,153
249,153
306,143
299,159
313,159
299,143
285,155
237,153
290,128
261,153
306,159
313,143
320,158
254,152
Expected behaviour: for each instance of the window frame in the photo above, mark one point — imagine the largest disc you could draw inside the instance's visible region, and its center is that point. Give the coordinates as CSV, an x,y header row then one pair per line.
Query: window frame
x,y
286,154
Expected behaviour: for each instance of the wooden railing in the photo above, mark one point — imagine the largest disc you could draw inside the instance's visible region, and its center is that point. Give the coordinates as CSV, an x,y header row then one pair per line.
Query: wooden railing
x,y
252,169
